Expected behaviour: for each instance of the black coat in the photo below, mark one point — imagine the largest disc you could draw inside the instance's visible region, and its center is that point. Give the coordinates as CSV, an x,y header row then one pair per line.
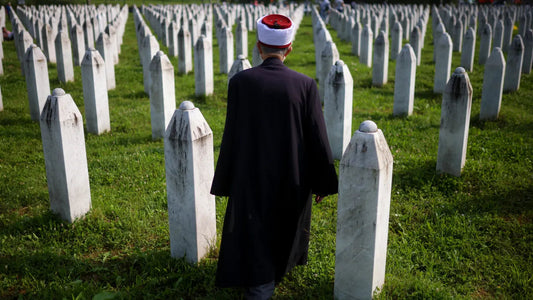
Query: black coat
x,y
274,155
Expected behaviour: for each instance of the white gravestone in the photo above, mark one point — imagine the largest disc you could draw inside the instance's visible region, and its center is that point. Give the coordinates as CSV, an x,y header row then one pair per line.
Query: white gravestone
x,y
78,44
396,40
65,157
380,64
95,99
150,46
491,93
37,82
485,42
104,47
241,39
443,63
416,43
328,57
184,52
469,48
404,85
241,63
528,52
513,69
225,48
356,38
48,39
189,165
454,123
162,94
365,56
365,181
203,67
338,102
497,39
65,68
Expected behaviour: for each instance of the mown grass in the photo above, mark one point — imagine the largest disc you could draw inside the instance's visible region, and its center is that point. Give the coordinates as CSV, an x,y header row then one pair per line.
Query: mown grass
x,y
467,237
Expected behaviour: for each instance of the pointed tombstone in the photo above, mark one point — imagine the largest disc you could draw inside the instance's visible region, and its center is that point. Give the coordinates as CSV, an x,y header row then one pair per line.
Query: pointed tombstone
x,y
37,82
162,94
365,56
256,56
189,170
396,40
184,52
88,34
497,40
203,67
380,66
454,123
416,43
25,42
78,44
528,52
457,36
65,157
240,64
491,93
241,39
150,46
173,39
338,102
508,25
65,69
436,36
328,57
485,43
95,100
49,43
356,38
443,63
404,85
225,48
104,47
513,69
365,182
469,48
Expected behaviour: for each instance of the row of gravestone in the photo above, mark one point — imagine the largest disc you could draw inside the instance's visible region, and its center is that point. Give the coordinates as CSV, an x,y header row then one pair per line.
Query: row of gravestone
x,y
365,176
34,61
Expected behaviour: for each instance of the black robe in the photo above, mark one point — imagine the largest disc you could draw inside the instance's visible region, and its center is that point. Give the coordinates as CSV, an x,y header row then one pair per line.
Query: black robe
x,y
274,154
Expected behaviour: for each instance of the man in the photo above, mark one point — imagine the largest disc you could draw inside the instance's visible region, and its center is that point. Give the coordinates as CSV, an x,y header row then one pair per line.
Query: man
x,y
274,155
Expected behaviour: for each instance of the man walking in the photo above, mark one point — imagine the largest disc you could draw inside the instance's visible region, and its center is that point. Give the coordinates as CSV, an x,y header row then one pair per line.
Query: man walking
x,y
274,155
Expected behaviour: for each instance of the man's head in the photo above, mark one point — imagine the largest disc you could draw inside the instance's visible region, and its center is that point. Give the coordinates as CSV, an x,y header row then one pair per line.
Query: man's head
x,y
274,35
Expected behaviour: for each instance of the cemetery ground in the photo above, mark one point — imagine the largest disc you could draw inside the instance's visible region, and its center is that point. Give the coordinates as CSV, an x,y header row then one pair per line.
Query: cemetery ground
x,y
449,237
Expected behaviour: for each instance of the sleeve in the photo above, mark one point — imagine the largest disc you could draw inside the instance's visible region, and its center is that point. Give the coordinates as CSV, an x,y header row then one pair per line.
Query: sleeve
x,y
323,175
222,179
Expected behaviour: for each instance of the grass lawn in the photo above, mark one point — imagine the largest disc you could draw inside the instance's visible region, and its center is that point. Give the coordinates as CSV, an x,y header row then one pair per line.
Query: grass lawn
x,y
466,237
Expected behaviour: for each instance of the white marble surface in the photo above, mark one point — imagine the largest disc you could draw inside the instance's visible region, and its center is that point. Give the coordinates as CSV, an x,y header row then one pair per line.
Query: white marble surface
x,y
104,47
328,57
241,63
365,180
404,85
65,68
396,40
491,93
443,62
78,44
185,51
37,82
380,64
95,98
367,39
225,49
65,156
189,165
454,124
203,67
485,43
513,69
149,47
469,48
162,94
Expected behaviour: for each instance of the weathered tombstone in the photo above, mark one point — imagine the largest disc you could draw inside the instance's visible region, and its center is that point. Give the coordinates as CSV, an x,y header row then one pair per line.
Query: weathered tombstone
x,y
241,39
25,41
241,63
150,46
65,69
365,56
328,57
37,82
49,43
416,43
162,94
65,157
338,102
513,68
485,43
256,56
404,85
189,169
469,47
104,47
365,182
457,36
88,33
93,77
380,65
225,48
203,67
78,44
528,52
356,39
396,40
454,123
491,93
173,30
436,36
497,40
184,52
508,25
443,63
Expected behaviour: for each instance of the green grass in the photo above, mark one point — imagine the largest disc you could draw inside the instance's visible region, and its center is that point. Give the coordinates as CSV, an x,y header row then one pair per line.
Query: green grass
x,y
467,237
